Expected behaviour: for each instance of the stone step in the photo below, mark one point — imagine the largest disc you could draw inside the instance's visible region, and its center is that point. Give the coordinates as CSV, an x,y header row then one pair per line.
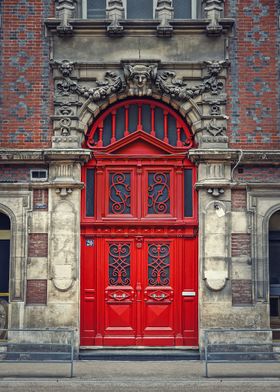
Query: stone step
x,y
139,354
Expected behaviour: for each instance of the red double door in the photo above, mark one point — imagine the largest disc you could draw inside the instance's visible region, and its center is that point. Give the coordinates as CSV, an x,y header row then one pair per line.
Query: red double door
x,y
139,256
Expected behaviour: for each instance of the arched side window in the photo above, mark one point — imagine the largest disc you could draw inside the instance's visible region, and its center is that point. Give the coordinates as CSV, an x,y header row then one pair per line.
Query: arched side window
x,y
142,9
274,269
5,235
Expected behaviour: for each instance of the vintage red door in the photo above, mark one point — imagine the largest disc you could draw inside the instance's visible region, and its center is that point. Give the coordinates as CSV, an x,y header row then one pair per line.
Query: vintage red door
x,y
138,233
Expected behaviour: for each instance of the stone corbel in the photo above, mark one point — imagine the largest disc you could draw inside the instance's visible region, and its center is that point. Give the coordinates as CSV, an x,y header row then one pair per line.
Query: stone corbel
x,y
215,192
164,12
65,11
213,10
115,12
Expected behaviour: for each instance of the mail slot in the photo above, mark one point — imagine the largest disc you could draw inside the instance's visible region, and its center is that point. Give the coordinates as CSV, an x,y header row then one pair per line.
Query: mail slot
x,y
188,293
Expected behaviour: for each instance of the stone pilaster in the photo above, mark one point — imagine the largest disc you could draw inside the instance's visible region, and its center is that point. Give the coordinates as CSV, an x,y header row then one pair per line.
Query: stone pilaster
x,y
115,12
164,12
213,10
65,11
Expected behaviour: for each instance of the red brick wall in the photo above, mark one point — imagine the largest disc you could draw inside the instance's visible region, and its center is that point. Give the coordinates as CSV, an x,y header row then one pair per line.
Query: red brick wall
x,y
238,199
26,83
38,245
40,199
36,292
241,292
258,174
253,88
240,244
17,173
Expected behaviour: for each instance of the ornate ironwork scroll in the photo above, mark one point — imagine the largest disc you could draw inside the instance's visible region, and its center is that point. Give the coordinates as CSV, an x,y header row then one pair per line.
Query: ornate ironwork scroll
x,y
158,264
159,193
120,193
119,264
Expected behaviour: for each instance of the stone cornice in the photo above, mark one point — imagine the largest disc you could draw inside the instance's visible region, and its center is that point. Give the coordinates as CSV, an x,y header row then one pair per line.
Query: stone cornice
x,y
263,157
43,155
180,26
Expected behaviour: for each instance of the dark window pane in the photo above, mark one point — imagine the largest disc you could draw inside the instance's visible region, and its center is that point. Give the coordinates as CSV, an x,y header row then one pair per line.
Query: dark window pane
x,y
90,192
146,118
159,123
120,124
188,193
119,264
172,130
158,264
120,192
140,9
107,131
274,309
159,193
4,222
133,118
182,9
96,9
4,265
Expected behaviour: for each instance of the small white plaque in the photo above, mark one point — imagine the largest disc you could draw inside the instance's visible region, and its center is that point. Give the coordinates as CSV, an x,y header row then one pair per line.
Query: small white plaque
x,y
188,293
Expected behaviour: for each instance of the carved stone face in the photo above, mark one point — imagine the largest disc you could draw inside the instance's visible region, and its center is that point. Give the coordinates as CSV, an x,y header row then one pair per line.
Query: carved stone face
x,y
141,78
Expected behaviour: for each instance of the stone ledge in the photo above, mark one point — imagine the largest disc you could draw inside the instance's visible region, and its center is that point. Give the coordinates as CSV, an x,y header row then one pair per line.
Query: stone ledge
x,y
44,155
264,157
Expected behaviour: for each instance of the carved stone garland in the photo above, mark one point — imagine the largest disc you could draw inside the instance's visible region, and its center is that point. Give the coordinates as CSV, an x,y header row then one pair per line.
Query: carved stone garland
x,y
143,80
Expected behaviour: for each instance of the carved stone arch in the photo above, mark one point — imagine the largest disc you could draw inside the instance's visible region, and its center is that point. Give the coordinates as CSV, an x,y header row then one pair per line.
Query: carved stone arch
x,y
189,110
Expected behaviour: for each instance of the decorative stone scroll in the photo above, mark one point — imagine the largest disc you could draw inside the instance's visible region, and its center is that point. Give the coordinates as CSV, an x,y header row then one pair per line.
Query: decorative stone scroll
x,y
213,10
65,11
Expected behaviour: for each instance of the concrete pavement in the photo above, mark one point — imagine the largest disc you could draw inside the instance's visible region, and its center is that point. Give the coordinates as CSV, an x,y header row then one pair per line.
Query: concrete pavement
x,y
152,376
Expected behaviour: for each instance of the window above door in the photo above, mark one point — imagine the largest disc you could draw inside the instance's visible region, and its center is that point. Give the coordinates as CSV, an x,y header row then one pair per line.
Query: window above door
x,y
141,9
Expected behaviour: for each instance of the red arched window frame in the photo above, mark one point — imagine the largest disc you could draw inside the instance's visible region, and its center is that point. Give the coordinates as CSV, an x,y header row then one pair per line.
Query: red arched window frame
x,y
172,126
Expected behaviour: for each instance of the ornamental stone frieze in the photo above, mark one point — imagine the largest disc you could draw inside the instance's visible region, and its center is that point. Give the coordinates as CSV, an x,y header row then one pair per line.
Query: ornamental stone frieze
x,y
200,99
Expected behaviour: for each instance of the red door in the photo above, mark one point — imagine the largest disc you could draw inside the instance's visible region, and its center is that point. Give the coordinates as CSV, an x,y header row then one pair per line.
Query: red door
x,y
139,246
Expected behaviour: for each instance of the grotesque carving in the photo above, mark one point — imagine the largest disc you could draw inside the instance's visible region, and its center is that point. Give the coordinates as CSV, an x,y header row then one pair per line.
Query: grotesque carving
x,y
139,78
66,67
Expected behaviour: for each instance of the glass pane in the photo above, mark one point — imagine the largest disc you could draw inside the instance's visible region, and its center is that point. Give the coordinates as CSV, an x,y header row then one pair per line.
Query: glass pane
x,y
172,130
146,118
159,123
120,124
5,258
159,193
120,193
139,9
188,193
107,131
119,264
158,264
133,118
96,9
90,192
182,9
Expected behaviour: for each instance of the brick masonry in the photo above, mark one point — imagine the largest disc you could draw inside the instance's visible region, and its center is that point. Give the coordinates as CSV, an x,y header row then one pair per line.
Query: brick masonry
x,y
241,292
38,245
238,200
17,173
26,80
240,244
36,292
252,89
40,199
268,174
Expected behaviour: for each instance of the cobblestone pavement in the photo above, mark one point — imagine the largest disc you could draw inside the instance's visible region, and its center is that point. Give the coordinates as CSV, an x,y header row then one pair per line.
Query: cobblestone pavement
x,y
152,376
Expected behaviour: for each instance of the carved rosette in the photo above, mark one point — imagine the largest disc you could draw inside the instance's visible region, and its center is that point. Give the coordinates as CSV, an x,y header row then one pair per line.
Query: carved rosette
x,y
139,79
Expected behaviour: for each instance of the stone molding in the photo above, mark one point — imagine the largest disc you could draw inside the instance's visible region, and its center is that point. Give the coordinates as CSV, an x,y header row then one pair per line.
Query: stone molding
x,y
43,155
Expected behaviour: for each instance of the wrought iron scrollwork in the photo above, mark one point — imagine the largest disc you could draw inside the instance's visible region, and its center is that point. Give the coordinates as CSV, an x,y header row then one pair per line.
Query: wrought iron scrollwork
x,y
159,193
120,193
119,264
159,264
